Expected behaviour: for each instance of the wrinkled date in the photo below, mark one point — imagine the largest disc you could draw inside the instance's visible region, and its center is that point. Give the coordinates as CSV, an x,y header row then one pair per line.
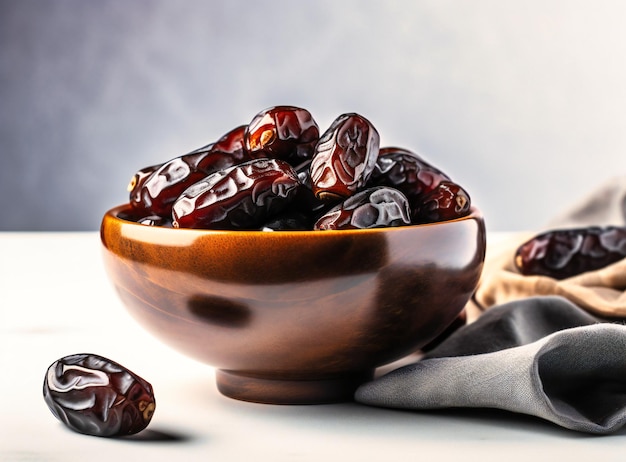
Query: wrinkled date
x,y
371,208
283,132
563,253
96,396
406,171
155,194
431,193
446,202
239,197
137,182
344,158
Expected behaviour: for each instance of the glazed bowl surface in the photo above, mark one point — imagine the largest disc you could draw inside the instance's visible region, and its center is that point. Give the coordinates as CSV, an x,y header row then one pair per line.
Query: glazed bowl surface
x,y
294,317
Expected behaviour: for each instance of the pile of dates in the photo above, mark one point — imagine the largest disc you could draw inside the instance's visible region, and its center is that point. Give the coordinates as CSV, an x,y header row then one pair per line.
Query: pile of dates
x,y
279,173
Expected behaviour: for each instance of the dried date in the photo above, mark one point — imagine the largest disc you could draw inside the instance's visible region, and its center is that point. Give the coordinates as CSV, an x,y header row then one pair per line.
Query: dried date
x,y
407,172
93,395
563,253
240,197
446,202
161,188
371,208
138,180
282,132
344,157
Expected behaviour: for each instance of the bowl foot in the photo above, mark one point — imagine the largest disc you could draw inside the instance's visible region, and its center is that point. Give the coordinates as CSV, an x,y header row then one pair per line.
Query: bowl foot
x,y
276,390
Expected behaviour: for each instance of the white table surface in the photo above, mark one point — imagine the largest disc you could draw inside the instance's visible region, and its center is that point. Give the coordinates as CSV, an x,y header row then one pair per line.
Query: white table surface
x,y
56,300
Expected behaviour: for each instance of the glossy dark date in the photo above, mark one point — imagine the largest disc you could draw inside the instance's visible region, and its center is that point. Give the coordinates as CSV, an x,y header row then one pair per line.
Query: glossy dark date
x,y
240,197
282,132
563,253
138,180
163,186
420,182
371,208
93,395
446,202
344,158
407,172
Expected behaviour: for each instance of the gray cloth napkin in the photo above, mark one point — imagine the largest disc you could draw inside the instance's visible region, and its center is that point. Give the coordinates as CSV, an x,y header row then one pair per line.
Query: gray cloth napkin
x,y
541,356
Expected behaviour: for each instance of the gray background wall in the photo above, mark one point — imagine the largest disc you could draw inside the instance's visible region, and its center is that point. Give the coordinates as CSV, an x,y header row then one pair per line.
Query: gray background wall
x,y
521,101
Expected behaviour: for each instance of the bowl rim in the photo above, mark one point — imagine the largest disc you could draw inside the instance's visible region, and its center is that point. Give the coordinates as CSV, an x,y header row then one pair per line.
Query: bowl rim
x,y
113,215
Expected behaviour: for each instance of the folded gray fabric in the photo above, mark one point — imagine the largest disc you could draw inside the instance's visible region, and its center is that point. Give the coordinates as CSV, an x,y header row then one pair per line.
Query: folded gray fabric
x,y
540,356
513,324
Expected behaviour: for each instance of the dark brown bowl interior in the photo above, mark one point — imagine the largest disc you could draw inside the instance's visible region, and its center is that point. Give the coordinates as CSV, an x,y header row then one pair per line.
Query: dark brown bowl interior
x,y
294,316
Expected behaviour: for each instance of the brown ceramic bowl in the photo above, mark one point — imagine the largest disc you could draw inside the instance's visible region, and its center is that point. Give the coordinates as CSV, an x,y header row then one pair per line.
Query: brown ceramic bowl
x,y
294,316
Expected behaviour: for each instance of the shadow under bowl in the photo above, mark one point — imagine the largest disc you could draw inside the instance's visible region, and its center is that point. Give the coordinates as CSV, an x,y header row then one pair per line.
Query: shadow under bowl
x,y
294,317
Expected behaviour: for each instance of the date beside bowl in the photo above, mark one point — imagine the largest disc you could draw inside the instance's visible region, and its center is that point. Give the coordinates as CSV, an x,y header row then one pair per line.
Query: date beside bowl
x,y
294,317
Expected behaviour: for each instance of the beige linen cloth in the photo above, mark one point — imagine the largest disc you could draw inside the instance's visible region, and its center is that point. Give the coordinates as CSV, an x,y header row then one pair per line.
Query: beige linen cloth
x,y
601,292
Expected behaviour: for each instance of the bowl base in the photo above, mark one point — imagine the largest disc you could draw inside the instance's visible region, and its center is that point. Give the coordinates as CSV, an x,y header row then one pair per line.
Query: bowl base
x,y
276,390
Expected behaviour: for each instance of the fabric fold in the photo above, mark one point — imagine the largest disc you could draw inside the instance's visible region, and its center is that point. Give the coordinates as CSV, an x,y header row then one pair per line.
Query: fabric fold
x,y
541,356
601,292
575,378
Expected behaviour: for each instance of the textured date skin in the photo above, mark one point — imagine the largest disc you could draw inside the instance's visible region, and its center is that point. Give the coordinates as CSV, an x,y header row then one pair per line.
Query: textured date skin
x,y
446,202
93,395
287,133
432,195
240,197
344,157
371,208
138,180
563,253
162,187
407,172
